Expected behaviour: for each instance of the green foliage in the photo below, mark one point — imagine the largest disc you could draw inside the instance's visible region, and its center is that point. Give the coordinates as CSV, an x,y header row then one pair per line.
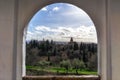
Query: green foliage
x,y
92,64
37,70
70,56
32,55
66,64
76,46
43,64
77,64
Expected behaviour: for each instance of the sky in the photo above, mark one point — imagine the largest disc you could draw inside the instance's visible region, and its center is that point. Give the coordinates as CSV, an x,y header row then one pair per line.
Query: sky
x,y
60,22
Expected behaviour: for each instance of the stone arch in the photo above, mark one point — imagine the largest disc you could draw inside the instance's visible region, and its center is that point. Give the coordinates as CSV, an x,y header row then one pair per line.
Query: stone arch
x,y
25,32
25,13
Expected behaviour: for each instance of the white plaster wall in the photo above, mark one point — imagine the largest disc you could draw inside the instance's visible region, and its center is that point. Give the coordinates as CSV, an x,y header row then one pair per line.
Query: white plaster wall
x,y
6,39
15,15
114,23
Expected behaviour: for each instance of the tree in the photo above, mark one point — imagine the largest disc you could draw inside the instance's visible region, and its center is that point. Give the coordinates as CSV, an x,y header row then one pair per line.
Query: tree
x,y
31,56
77,64
48,55
43,64
76,46
92,64
54,51
66,64
33,43
47,45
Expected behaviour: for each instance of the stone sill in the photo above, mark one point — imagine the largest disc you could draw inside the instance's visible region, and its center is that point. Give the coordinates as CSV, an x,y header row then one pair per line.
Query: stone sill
x,y
83,77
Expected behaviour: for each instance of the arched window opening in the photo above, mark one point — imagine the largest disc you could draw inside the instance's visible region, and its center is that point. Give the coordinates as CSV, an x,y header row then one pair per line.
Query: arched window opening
x,y
61,39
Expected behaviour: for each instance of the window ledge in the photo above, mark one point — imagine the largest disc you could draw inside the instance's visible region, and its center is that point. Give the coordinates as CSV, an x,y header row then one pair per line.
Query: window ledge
x,y
82,77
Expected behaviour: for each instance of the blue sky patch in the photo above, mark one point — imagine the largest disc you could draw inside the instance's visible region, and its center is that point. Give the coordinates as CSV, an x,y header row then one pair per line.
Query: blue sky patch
x,y
60,20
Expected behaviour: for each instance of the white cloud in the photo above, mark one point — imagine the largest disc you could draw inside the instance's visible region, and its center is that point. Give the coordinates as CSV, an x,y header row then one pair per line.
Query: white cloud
x,y
42,28
44,9
33,35
75,12
30,33
73,16
82,33
56,8
38,32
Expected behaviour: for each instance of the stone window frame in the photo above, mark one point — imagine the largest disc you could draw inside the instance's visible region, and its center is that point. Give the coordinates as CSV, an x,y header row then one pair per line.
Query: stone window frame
x,y
23,13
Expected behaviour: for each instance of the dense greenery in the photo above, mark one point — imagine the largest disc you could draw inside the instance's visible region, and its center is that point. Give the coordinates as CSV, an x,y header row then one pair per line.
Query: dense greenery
x,y
51,57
